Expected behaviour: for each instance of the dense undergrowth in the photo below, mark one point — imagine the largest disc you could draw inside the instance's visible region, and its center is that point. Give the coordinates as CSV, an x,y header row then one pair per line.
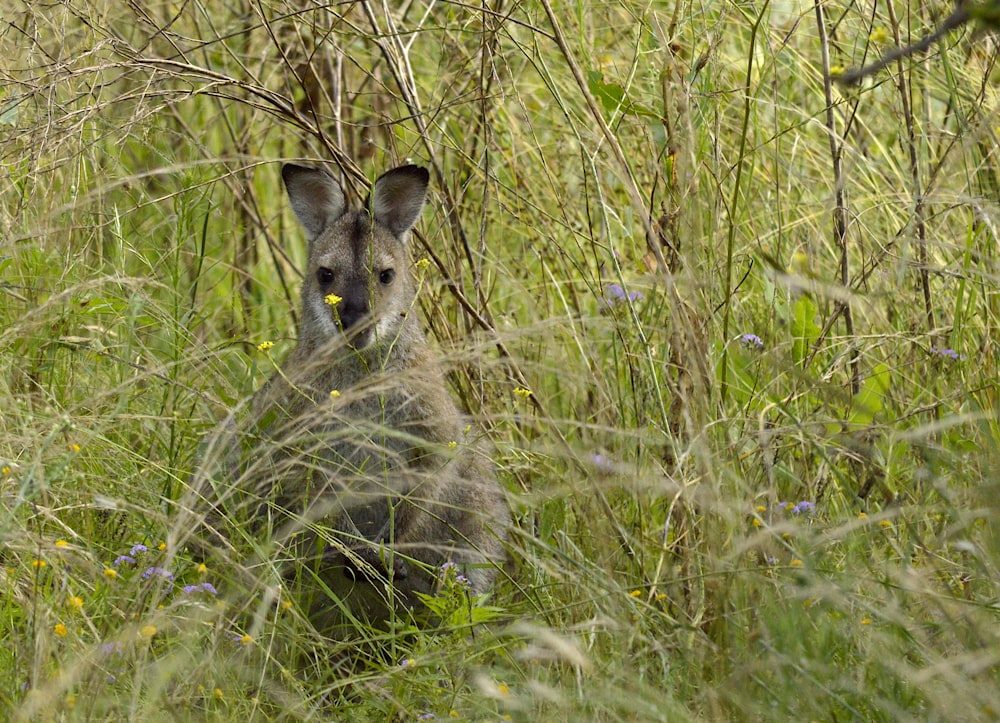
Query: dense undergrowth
x,y
732,328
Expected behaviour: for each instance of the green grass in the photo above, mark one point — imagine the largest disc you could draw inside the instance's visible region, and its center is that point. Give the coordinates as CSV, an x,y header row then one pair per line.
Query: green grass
x,y
655,574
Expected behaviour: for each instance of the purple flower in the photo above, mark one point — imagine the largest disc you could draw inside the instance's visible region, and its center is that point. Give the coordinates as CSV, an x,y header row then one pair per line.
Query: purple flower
x,y
112,648
123,560
752,341
427,716
949,353
602,463
203,587
615,293
158,572
463,581
138,550
803,506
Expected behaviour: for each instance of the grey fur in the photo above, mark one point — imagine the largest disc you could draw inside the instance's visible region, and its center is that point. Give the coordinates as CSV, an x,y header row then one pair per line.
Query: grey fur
x,y
379,485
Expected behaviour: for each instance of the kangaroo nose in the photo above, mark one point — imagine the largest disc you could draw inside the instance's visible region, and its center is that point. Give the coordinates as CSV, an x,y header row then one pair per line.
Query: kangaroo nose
x,y
352,310
349,317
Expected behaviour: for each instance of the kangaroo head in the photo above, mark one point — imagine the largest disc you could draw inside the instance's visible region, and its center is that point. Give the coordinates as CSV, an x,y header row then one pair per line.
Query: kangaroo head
x,y
357,281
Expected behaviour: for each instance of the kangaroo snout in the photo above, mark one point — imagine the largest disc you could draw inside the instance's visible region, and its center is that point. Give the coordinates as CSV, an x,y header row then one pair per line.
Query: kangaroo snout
x,y
352,315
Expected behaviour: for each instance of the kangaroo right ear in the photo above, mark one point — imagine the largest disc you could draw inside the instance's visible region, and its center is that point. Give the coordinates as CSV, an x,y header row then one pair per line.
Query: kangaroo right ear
x,y
315,195
398,198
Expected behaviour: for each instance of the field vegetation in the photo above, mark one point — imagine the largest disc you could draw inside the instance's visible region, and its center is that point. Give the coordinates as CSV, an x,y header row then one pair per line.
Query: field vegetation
x,y
731,326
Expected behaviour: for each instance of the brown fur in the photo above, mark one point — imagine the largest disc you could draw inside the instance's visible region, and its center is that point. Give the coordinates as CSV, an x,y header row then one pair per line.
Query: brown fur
x,y
378,486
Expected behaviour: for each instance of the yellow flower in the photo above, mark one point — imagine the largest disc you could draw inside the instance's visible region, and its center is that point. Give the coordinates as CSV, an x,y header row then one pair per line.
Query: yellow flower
x,y
503,689
162,546
73,447
796,563
452,444
147,631
522,392
862,515
332,299
219,694
5,471
286,605
885,524
70,702
75,602
756,522
661,596
334,394
636,593
422,264
879,35
202,569
836,70
60,630
866,621
38,564
62,543
265,346
453,714
762,508
110,573
247,639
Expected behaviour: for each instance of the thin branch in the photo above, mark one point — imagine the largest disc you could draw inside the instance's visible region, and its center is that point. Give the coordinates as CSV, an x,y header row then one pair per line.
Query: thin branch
x,y
958,17
840,204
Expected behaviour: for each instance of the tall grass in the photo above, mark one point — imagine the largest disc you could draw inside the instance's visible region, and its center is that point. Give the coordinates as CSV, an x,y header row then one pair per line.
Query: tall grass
x,y
756,475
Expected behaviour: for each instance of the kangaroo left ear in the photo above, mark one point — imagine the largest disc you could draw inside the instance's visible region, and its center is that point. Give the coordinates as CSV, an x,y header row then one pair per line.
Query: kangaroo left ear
x,y
316,197
398,197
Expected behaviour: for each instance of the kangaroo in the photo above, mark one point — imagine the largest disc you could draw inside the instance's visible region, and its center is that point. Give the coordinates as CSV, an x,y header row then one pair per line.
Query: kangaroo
x,y
356,450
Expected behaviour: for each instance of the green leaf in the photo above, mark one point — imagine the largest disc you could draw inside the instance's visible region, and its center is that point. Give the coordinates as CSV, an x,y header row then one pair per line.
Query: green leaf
x,y
613,98
481,613
870,399
9,113
805,331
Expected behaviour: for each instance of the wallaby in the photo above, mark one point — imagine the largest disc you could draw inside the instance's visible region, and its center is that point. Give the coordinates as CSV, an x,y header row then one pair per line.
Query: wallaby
x,y
355,449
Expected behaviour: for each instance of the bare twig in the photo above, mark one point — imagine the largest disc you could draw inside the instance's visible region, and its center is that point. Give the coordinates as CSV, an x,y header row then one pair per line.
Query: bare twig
x,y
958,17
840,205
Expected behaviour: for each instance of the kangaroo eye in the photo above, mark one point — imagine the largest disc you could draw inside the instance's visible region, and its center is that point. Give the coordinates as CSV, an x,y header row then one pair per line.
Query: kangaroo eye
x,y
387,276
324,275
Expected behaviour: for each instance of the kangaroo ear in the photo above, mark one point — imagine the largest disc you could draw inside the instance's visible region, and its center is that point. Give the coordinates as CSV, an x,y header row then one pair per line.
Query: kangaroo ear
x,y
315,195
398,198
